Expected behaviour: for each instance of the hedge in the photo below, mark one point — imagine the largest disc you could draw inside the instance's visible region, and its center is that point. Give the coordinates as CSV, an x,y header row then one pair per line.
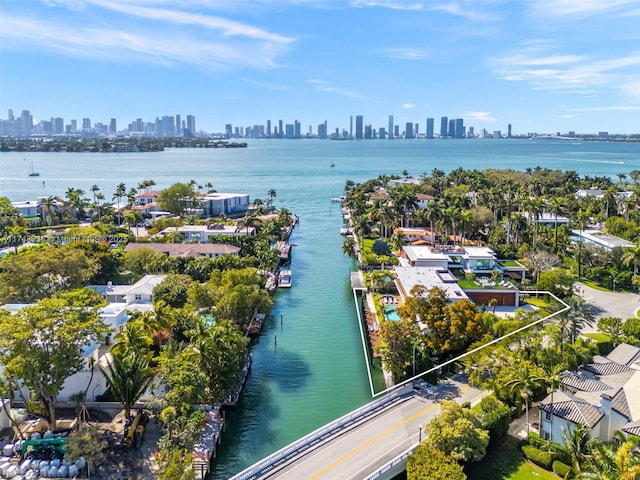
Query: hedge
x,y
561,469
540,458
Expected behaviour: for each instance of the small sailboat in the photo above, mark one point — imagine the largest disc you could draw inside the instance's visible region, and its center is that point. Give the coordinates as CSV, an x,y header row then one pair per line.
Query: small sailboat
x,y
33,173
332,164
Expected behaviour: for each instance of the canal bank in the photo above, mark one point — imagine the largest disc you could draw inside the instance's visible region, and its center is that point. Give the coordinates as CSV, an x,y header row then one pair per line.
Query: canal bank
x,y
308,364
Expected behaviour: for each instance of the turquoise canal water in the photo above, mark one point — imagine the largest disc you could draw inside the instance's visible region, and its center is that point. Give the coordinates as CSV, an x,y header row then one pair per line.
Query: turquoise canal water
x,y
308,368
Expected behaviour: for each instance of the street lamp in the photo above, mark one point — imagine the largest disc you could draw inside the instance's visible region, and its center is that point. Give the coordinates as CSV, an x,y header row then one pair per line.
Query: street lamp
x,y
614,284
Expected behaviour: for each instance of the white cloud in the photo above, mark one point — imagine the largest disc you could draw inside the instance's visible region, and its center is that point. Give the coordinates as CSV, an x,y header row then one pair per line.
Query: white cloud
x,y
454,8
323,86
579,8
478,116
408,106
403,53
612,108
581,74
145,44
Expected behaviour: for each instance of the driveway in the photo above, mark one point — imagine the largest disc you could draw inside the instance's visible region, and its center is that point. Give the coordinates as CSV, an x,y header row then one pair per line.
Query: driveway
x,y
608,304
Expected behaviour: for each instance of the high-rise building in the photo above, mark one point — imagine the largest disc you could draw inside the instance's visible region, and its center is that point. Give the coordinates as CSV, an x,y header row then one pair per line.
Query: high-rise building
x,y
509,131
280,131
430,127
390,126
268,128
228,130
322,130
296,129
191,124
408,133
58,126
444,132
289,131
367,132
86,124
460,128
112,126
396,131
74,126
351,126
452,128
178,127
382,134
359,126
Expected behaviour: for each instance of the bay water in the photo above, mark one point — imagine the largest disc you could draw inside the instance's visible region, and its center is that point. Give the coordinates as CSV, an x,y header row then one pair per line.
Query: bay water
x,y
309,366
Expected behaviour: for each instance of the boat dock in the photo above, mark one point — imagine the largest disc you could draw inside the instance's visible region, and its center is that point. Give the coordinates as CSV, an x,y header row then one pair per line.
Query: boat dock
x,y
205,449
234,394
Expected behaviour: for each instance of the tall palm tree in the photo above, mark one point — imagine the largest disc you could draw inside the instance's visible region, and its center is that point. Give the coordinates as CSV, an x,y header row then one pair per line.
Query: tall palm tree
x,y
611,462
579,315
578,446
272,195
128,376
121,191
631,256
526,378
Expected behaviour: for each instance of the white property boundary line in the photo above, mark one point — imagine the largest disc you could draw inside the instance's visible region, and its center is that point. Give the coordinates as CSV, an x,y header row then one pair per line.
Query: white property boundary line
x,y
466,354
286,453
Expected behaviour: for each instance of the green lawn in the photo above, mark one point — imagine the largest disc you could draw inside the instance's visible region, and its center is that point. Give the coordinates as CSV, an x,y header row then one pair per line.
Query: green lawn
x,y
506,463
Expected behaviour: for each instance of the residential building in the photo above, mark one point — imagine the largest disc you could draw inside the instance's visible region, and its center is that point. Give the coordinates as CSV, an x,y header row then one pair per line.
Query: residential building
x,y
430,122
444,122
214,204
604,240
603,395
359,127
390,130
139,292
211,250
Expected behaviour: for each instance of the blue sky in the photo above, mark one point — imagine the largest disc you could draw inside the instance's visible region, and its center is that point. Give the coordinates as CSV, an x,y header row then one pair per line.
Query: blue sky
x,y
543,66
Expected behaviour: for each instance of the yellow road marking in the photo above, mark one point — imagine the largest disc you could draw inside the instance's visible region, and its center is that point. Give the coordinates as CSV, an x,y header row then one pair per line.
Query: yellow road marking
x,y
378,437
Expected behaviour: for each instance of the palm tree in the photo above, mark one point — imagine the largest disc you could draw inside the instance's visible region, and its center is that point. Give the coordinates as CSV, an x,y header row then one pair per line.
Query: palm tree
x,y
121,191
272,194
631,256
128,376
526,378
579,315
611,462
578,446
556,206
348,246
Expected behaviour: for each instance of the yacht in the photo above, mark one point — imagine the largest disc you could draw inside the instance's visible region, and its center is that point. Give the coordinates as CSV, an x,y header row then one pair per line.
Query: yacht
x,y
284,279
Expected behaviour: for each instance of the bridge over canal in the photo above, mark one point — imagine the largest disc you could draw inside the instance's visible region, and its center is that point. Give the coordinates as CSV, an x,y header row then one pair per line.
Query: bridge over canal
x,y
372,442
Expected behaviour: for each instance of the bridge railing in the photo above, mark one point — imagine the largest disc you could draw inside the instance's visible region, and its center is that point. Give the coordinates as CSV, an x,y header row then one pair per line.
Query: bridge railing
x,y
402,458
289,451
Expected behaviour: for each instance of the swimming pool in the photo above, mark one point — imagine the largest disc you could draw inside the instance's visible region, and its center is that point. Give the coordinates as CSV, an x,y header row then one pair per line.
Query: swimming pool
x,y
391,314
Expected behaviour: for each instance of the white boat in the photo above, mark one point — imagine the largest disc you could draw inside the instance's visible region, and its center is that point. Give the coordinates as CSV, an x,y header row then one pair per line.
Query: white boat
x,y
284,279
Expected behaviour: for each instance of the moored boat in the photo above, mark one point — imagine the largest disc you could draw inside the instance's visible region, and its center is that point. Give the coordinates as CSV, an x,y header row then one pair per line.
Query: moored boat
x,y
284,279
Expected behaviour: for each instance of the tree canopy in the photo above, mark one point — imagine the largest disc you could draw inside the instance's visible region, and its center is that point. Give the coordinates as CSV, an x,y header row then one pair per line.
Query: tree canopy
x,y
44,344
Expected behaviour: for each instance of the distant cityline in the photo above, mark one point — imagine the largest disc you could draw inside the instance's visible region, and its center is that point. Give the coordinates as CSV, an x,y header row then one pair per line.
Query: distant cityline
x,y
174,126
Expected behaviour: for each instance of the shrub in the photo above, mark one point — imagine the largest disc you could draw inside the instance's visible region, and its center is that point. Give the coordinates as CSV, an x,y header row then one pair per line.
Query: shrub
x,y
535,440
380,247
561,469
540,458
495,418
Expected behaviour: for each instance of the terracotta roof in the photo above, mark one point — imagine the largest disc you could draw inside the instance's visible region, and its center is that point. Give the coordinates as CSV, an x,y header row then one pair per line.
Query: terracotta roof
x,y
424,196
151,194
186,249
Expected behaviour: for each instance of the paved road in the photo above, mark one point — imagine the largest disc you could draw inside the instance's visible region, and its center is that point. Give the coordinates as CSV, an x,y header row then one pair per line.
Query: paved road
x,y
609,304
354,453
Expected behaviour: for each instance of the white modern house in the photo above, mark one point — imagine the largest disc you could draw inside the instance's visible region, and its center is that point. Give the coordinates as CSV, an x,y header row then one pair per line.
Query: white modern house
x,y
604,396
201,233
139,292
604,240
216,203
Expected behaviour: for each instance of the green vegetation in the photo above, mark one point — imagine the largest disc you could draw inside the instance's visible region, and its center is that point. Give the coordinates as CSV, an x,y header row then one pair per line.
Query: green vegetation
x,y
507,463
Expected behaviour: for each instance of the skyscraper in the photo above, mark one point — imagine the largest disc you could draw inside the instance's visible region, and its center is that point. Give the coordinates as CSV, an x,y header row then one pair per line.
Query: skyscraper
x,y
86,124
297,132
509,131
408,133
444,121
430,127
112,126
359,127
178,125
269,128
452,128
191,124
460,128
390,126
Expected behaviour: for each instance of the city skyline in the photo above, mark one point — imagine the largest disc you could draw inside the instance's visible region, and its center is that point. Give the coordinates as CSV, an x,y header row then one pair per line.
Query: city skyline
x,y
528,64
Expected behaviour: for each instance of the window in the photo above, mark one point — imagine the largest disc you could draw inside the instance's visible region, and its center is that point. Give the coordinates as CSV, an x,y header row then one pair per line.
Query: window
x,y
138,296
547,416
545,435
